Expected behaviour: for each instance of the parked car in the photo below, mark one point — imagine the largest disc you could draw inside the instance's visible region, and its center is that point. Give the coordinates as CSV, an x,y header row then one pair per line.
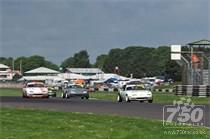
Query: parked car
x,y
35,89
56,83
135,93
75,90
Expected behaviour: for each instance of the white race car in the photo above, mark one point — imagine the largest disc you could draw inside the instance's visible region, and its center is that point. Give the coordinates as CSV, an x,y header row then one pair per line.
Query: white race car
x,y
135,93
35,89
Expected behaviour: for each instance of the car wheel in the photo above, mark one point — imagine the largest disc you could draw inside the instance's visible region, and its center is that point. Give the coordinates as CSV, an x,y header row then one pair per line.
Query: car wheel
x,y
119,99
127,99
87,97
150,101
82,97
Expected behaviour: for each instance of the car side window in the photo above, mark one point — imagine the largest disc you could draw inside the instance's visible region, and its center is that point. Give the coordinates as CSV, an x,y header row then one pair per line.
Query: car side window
x,y
129,88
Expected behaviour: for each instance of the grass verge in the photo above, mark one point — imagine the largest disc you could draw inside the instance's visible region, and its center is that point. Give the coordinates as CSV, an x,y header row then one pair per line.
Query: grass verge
x,y
157,97
33,124
10,92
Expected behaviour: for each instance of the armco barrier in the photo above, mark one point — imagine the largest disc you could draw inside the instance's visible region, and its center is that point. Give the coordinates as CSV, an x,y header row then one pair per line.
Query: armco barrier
x,y
11,85
193,90
107,89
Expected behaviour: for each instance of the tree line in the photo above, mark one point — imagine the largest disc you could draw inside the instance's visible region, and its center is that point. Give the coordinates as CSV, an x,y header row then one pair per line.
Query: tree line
x,y
28,63
137,60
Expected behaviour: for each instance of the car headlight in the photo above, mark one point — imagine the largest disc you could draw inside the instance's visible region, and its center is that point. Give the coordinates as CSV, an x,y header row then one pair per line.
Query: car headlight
x,y
149,94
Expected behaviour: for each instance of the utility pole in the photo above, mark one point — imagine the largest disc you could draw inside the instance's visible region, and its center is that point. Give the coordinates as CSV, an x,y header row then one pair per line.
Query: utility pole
x,y
21,67
191,66
209,71
13,65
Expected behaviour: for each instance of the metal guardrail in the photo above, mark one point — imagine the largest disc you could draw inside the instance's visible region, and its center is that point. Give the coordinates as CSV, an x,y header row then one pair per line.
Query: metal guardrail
x,y
11,85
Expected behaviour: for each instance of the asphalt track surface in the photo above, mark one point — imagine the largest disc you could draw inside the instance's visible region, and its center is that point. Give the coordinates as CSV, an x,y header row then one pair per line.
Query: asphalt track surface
x,y
134,109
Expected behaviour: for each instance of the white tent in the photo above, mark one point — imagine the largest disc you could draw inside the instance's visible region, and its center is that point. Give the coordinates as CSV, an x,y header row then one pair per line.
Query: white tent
x,y
112,75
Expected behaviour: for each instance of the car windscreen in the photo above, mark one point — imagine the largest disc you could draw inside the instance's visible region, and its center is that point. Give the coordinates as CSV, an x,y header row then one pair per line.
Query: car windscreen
x,y
35,85
136,88
151,80
75,87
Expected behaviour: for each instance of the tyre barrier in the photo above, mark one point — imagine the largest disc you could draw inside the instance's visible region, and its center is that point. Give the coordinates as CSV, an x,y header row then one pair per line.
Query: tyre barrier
x,y
193,90
164,90
107,89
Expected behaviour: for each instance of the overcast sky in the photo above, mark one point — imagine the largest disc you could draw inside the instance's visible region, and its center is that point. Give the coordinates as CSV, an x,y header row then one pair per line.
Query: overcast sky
x,y
57,29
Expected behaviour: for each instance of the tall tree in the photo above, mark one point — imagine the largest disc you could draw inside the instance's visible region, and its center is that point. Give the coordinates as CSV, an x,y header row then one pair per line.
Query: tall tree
x,y
79,60
6,61
138,60
100,61
28,63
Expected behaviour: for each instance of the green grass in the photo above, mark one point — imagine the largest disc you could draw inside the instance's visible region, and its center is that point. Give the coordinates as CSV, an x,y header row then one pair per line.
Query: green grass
x,y
10,92
169,98
104,95
158,97
38,124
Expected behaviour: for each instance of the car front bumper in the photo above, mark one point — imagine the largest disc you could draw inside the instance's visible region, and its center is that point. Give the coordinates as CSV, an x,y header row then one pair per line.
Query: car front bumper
x,y
140,98
78,95
36,95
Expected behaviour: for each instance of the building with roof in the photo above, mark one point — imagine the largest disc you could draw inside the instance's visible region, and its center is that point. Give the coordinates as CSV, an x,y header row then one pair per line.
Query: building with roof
x,y
41,74
84,71
5,73
202,42
42,71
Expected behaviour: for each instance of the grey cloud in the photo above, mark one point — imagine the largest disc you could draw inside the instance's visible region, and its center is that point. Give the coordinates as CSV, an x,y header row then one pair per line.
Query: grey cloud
x,y
58,29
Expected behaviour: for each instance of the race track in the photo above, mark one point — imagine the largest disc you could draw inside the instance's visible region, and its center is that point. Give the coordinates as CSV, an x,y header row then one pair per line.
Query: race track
x,y
135,109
